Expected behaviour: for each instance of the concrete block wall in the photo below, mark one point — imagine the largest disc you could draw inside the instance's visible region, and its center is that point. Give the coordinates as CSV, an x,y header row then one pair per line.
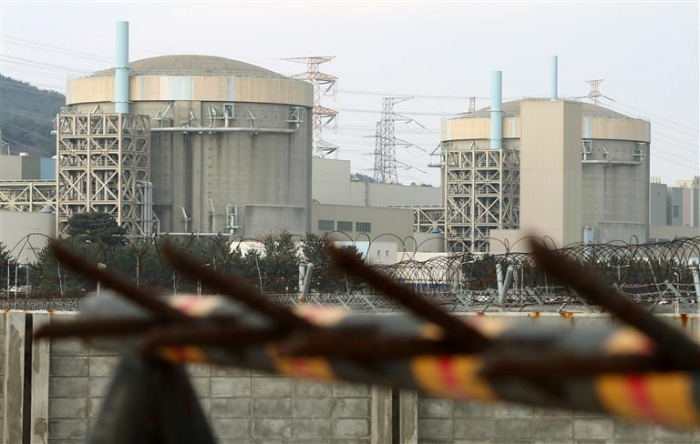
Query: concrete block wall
x,y
53,392
243,406
442,421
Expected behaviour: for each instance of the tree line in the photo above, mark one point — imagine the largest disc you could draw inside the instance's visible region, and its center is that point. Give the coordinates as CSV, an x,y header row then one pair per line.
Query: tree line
x,y
272,267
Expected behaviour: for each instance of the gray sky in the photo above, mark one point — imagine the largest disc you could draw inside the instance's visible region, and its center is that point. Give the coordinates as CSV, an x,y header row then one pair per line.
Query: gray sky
x,y
647,52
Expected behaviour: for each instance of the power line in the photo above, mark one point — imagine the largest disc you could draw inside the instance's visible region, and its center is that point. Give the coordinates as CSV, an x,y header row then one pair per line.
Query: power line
x,y
694,130
416,96
53,49
407,113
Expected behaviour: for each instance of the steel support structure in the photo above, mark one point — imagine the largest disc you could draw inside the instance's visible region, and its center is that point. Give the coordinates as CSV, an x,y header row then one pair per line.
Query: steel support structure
x,y
428,219
482,188
27,195
103,163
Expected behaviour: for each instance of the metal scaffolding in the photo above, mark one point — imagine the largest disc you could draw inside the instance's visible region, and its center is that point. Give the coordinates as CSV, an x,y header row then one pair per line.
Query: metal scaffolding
x,y
482,188
428,219
104,165
25,195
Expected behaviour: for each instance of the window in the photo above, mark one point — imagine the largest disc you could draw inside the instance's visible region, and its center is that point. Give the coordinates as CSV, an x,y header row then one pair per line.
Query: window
x,y
344,225
325,225
364,227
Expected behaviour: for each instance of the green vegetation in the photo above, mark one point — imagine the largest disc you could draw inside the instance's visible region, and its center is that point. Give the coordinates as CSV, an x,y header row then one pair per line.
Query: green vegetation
x,y
26,117
96,227
359,177
274,268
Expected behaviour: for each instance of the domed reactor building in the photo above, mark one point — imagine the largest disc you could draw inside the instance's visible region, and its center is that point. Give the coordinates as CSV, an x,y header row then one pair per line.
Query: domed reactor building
x,y
186,144
571,171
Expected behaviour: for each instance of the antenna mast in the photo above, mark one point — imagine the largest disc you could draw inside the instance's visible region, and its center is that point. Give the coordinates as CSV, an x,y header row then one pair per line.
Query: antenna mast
x,y
322,116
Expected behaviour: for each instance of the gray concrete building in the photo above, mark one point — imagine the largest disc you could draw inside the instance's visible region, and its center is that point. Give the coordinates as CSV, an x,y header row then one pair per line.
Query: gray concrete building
x,y
580,168
386,212
230,142
674,211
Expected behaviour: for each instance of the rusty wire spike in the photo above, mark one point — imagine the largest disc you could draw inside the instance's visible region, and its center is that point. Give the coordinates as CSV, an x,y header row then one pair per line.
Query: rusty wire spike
x,y
340,345
230,338
238,290
548,364
158,308
86,328
672,344
459,334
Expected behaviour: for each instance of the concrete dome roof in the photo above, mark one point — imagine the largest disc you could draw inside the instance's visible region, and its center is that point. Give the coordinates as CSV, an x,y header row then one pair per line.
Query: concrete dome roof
x,y
512,108
193,65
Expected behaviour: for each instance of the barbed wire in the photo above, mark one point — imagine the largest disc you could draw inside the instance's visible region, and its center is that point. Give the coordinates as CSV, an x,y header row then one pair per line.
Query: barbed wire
x,y
660,275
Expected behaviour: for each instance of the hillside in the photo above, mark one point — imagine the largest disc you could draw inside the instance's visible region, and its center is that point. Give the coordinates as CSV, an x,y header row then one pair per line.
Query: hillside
x,y
26,117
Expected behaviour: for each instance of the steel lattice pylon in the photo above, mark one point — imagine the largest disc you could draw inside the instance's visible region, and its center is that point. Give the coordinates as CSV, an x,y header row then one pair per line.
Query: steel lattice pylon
x,y
322,116
482,188
385,170
104,165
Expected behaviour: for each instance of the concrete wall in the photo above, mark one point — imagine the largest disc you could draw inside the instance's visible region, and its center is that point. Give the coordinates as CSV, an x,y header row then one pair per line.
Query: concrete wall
x,y
658,211
203,172
26,234
550,170
10,167
663,233
675,206
332,186
69,381
100,89
48,168
393,195
396,223
330,181
242,406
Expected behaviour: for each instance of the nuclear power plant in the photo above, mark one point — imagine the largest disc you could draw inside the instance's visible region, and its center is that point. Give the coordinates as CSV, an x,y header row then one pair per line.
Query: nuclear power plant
x,y
573,170
186,143
182,144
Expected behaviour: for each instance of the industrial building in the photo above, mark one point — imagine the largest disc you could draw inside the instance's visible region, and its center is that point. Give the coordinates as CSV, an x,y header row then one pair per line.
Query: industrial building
x,y
186,143
345,209
205,144
674,211
569,170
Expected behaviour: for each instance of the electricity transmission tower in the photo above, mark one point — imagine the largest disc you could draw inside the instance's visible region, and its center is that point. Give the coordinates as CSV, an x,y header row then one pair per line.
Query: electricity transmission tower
x,y
322,116
594,93
386,142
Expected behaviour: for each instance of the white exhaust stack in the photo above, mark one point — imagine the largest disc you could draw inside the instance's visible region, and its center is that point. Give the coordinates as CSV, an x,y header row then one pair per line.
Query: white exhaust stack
x,y
496,110
554,92
121,69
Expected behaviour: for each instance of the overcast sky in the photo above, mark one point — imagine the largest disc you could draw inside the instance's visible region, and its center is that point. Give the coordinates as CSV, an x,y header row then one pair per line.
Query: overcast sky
x,y
441,53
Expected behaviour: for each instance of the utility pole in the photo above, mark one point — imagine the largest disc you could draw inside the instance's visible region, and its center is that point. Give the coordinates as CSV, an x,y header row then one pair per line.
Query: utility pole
x,y
322,116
